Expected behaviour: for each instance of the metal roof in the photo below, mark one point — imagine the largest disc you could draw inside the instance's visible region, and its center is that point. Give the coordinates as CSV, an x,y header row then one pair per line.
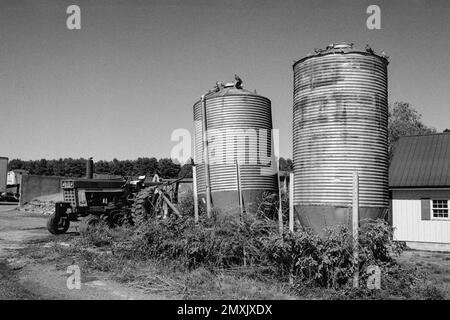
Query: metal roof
x,y
227,91
421,161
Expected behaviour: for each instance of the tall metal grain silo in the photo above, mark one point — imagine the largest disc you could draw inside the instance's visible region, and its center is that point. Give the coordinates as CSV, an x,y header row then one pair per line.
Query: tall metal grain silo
x,y
240,148
340,126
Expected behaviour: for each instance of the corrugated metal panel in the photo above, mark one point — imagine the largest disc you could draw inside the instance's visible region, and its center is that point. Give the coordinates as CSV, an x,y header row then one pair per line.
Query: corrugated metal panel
x,y
223,178
340,125
421,161
239,125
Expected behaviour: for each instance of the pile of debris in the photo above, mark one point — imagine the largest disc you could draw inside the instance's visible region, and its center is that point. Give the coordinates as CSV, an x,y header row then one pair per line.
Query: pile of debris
x,y
38,207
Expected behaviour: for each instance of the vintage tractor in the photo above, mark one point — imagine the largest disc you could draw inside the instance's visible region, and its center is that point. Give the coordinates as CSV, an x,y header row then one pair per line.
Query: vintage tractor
x,y
112,201
92,200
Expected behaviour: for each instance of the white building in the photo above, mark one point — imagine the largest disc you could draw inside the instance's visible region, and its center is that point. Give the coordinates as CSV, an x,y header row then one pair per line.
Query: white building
x,y
419,180
15,176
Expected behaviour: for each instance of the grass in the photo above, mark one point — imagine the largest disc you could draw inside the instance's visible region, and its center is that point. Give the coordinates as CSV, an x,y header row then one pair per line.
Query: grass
x,y
107,253
168,279
436,266
247,258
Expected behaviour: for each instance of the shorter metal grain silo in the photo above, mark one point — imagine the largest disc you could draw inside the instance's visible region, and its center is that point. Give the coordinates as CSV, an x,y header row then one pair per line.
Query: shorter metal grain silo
x,y
239,166
340,127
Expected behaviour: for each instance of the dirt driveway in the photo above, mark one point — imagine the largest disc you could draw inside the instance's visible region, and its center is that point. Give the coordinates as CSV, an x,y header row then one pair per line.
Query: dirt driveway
x,y
17,228
22,277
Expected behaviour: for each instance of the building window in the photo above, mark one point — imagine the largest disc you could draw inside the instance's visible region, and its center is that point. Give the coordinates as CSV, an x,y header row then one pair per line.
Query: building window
x,y
439,209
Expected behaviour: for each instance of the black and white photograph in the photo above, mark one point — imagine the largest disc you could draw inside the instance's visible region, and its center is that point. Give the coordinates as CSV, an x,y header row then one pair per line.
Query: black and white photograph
x,y
227,158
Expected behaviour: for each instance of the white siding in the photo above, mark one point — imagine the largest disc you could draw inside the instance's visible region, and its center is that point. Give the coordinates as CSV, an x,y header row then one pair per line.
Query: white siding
x,y
409,226
11,178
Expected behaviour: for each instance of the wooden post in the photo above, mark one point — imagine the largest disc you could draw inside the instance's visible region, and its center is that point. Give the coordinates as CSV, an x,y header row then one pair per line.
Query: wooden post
x,y
239,189
170,204
206,157
280,207
165,210
194,187
355,226
291,202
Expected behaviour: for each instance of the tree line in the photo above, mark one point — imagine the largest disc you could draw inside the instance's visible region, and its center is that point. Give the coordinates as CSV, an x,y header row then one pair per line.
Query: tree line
x,y
403,120
69,167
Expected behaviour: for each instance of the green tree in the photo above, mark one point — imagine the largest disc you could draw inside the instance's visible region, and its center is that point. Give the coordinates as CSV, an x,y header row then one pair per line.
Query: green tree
x,y
16,164
146,166
128,167
116,167
58,167
404,120
167,168
186,170
102,167
286,164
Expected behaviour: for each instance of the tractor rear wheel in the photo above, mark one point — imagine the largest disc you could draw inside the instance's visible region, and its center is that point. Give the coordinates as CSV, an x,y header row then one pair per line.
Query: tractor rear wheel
x,y
57,225
87,223
142,207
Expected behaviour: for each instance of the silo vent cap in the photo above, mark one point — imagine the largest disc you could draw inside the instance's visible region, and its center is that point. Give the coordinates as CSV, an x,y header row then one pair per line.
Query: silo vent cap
x,y
222,89
237,83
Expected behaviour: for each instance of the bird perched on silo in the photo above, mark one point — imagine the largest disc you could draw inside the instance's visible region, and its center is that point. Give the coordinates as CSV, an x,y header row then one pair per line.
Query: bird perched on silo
x,y
369,49
238,82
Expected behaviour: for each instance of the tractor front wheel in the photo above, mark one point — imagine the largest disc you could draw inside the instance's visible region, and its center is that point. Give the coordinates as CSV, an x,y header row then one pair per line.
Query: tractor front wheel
x,y
87,223
57,225
119,218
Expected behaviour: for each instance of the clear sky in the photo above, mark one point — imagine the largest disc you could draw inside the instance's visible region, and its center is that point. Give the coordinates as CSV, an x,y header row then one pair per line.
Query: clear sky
x,y
118,87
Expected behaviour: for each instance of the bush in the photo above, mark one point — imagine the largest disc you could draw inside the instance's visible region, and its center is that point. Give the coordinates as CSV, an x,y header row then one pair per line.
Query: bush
x,y
376,242
311,259
269,205
222,245
328,261
255,245
255,242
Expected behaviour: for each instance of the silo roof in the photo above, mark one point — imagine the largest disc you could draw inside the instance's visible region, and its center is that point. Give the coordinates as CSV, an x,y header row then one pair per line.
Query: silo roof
x,y
342,48
232,90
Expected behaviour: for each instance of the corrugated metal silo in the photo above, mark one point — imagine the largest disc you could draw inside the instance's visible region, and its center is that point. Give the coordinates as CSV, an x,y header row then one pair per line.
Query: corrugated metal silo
x,y
340,126
239,127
